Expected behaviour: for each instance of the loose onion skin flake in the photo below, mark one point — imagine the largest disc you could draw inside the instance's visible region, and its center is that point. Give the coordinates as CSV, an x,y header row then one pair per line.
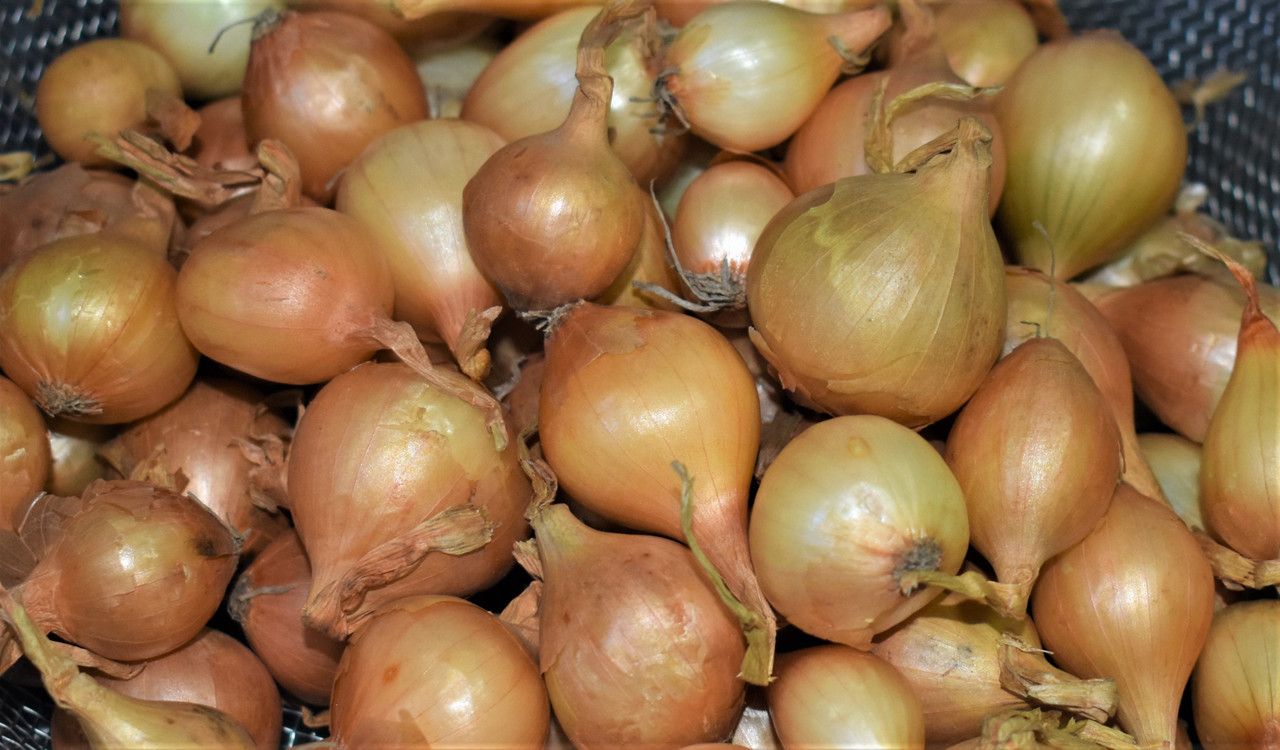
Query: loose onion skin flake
x,y
436,671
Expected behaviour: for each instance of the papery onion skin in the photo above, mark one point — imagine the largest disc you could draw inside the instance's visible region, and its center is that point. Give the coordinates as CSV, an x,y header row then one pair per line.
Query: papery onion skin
x,y
213,669
435,671
303,660
326,84
286,295
25,455
99,87
1235,688
746,75
378,452
1096,151
89,328
848,506
221,142
139,571
1132,602
837,696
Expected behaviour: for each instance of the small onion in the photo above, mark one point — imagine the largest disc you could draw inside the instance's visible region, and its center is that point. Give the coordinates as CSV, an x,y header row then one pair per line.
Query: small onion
x,y
435,30
25,457
1235,688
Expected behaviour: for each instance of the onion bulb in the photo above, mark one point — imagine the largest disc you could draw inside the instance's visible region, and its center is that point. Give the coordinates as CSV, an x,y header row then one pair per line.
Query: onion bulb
x,y
436,30
89,328
326,84
436,671
99,87
1175,462
637,649
396,489
837,696
74,450
221,142
744,76
1133,602
1235,688
884,293
25,454
985,40
1096,150
848,507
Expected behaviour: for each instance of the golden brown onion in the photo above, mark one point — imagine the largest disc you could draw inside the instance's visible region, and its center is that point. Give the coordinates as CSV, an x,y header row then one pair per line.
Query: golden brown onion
x,y
74,450
1235,688
25,456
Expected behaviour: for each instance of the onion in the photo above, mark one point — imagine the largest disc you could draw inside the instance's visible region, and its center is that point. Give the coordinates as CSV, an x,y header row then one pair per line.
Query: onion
x,y
649,282
1132,602
1240,459
213,670
1235,688
73,447
841,138
450,72
219,443
112,720
530,85
221,142
25,457
846,509
436,30
985,40
1175,461
137,571
89,328
198,38
884,293
267,601
744,76
435,671
1096,151
1037,454
696,404
555,217
637,649
406,188
836,696
326,84
416,471
1180,336
99,87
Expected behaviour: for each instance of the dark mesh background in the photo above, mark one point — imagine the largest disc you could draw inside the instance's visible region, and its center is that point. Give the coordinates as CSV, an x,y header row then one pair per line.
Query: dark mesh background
x,y
1235,151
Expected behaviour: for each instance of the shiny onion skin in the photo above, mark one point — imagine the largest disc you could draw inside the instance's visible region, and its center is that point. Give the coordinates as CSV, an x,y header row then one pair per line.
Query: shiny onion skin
x,y
406,188
985,40
267,601
25,454
884,293
326,84
744,76
1096,150
377,453
99,87
219,438
840,697
1133,602
1037,454
1235,688
529,86
89,328
848,506
436,671
138,571
637,649
213,669
696,403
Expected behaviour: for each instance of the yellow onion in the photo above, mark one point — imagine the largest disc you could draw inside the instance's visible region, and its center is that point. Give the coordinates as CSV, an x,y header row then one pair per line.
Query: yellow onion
x,y
744,76
396,489
1240,459
1037,453
406,188
1132,602
73,447
637,649
25,454
555,217
649,281
439,29
221,142
89,328
1235,688
849,506
985,40
836,696
884,293
529,86
436,671
1180,336
326,84
1096,150
1175,462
